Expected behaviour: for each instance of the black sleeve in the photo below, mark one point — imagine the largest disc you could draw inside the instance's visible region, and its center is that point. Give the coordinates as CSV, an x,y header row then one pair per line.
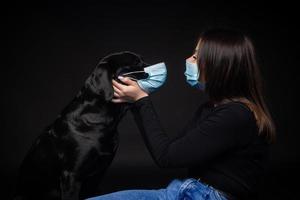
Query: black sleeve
x,y
209,138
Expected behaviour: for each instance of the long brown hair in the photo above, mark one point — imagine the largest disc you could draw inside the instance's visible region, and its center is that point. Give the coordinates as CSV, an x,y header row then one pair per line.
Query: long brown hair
x,y
228,62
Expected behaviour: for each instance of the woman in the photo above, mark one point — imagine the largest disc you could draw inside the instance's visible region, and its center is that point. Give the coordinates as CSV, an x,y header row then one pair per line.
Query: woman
x,y
225,145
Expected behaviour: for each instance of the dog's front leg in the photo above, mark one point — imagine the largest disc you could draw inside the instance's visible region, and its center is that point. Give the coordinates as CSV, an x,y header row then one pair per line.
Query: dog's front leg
x,y
70,186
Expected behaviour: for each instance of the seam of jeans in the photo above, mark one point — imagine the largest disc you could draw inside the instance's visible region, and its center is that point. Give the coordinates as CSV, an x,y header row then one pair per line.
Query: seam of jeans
x,y
222,197
183,187
208,188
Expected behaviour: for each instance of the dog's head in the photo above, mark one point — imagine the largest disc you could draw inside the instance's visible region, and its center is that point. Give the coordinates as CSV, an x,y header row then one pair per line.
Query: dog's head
x,y
99,83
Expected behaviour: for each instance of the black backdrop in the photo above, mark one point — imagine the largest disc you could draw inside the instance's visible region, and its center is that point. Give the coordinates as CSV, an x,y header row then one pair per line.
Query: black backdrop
x,y
51,48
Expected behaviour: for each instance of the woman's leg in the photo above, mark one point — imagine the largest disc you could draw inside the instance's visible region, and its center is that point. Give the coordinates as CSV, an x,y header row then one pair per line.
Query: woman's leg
x,y
190,189
133,195
171,192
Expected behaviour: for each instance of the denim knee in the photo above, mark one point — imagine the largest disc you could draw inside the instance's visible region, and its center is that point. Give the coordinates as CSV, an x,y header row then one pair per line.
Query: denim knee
x,y
173,188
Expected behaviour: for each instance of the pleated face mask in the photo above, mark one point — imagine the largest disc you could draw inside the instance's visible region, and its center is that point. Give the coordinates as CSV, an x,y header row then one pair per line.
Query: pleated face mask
x,y
192,74
151,78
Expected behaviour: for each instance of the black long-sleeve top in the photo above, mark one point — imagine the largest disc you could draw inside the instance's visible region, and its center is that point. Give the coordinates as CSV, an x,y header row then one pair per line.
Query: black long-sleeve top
x,y
220,145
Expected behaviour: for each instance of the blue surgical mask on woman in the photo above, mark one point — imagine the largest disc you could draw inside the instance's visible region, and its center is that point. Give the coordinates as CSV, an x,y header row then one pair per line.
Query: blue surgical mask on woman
x,y
192,75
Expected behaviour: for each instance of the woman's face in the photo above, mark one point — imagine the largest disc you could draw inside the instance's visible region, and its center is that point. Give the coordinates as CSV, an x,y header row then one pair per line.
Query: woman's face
x,y
193,59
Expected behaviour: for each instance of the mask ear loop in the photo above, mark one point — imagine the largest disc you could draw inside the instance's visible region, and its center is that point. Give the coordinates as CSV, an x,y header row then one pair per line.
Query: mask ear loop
x,y
134,79
135,72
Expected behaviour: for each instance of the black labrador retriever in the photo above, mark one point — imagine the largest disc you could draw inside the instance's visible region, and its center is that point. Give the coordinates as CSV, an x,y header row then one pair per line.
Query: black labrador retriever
x,y
69,158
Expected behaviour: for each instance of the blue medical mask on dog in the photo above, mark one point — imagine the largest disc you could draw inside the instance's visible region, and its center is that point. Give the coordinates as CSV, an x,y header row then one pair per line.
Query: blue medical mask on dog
x,y
156,77
192,75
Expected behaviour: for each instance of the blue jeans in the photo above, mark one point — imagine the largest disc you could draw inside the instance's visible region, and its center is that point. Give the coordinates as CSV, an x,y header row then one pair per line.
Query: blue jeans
x,y
186,189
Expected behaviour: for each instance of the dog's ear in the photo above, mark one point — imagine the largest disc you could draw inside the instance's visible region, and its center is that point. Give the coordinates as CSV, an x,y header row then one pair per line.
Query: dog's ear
x,y
100,82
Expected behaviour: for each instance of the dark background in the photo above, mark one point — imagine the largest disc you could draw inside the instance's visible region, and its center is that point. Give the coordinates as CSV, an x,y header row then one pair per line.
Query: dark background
x,y
51,48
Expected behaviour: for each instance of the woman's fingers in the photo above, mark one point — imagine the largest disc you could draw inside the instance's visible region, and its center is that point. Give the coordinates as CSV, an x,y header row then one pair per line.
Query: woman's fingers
x,y
118,85
126,80
129,91
117,90
116,95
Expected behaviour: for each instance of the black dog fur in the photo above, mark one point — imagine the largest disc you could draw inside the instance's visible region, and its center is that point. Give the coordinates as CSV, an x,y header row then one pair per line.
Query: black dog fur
x,y
68,160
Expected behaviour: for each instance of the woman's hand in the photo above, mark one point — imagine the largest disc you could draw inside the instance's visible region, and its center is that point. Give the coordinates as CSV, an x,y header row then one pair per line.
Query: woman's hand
x,y
130,92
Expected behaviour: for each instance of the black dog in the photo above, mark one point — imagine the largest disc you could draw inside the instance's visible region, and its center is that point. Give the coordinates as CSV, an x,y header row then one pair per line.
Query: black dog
x,y
69,158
